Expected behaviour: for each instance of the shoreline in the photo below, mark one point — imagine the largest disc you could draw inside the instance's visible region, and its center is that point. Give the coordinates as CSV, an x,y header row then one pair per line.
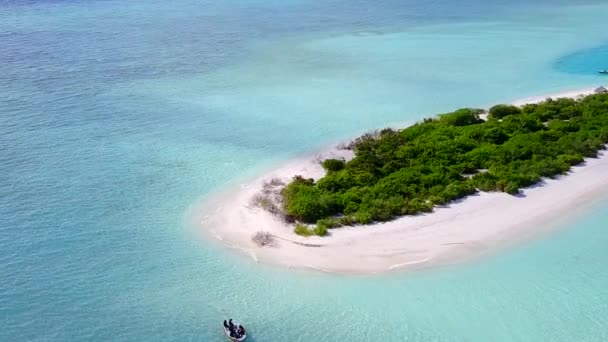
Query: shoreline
x,y
456,232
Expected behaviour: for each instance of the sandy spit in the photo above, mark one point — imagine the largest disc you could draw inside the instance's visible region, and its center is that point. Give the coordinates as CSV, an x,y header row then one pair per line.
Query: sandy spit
x,y
468,228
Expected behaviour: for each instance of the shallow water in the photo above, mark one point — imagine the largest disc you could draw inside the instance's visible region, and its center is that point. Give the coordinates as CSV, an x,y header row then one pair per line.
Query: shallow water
x,y
116,118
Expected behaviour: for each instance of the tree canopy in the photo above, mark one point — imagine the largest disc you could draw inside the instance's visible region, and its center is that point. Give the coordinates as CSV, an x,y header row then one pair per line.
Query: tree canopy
x,y
439,160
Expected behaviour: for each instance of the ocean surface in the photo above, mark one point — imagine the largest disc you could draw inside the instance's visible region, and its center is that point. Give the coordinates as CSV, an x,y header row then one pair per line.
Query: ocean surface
x,y
118,117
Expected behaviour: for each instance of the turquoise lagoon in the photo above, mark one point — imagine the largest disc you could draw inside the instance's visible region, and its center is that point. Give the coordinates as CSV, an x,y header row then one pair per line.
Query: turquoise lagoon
x,y
117,118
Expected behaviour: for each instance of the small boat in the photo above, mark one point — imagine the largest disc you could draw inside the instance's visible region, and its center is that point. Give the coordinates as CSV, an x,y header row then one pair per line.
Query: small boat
x,y
603,72
238,335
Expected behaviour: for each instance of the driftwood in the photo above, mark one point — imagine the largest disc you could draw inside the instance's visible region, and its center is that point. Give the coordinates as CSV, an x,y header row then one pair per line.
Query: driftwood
x,y
266,239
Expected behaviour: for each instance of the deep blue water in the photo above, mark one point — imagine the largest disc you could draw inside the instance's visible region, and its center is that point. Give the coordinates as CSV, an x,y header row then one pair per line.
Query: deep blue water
x,y
586,61
116,117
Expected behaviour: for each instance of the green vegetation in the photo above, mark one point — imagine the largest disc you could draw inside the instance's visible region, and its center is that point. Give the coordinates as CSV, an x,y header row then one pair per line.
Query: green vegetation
x,y
410,171
333,165
501,110
304,230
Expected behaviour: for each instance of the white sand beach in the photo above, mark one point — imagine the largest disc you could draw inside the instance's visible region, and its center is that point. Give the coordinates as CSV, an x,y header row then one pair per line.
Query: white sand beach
x,y
476,225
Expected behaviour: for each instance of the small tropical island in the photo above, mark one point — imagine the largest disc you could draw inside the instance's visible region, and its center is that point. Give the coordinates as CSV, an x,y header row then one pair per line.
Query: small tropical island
x,y
443,159
441,190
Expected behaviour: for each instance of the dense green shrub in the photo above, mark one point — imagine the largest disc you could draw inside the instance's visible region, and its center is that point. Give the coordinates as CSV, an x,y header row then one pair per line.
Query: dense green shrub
x,y
329,223
461,117
409,171
333,165
500,111
346,221
306,202
320,230
495,135
302,230
511,188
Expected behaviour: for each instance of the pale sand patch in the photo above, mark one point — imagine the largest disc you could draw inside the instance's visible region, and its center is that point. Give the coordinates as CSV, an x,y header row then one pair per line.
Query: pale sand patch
x,y
464,229
571,94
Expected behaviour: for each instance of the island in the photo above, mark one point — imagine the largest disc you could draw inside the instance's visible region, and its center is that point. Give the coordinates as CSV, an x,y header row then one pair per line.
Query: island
x,y
443,190
444,159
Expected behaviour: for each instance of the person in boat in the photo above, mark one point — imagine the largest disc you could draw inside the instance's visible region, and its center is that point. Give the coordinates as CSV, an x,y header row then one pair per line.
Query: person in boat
x,y
226,325
241,331
230,325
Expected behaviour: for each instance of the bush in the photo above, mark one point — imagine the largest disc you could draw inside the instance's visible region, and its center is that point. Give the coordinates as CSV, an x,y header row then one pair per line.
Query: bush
x,y
485,181
416,206
511,188
457,190
333,165
495,136
302,230
320,231
363,217
461,117
346,221
306,203
329,223
500,111
572,159
437,200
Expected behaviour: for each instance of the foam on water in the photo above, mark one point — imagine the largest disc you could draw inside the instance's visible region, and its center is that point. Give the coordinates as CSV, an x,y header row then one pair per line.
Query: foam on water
x,y
115,117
